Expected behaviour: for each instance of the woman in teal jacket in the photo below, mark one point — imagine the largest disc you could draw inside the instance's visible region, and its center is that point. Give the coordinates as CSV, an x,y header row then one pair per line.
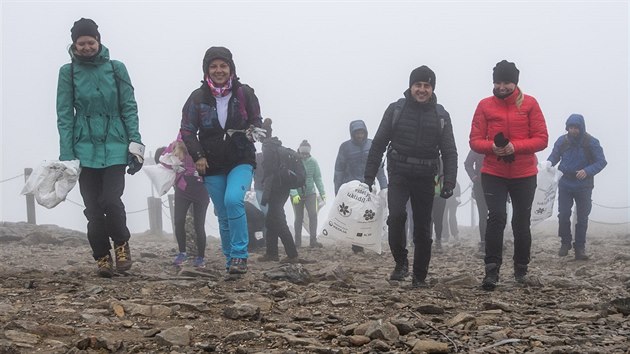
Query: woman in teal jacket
x,y
97,119
307,197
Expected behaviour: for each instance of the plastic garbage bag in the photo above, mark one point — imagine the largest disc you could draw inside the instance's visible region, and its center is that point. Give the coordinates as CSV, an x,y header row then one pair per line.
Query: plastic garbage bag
x,y
51,181
356,217
162,178
545,196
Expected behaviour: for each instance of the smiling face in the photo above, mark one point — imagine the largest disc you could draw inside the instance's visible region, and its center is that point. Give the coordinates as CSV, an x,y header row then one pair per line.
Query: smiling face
x,y
504,88
421,91
219,72
86,46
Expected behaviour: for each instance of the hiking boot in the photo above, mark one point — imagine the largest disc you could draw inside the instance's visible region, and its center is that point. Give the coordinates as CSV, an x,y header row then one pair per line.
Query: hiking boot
x,y
268,258
401,270
357,249
564,249
238,266
491,278
580,254
123,257
199,262
520,272
315,244
417,283
290,260
105,266
180,259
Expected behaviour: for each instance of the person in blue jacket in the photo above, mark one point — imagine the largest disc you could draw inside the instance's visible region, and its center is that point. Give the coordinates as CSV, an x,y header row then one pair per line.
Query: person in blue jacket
x,y
581,157
351,160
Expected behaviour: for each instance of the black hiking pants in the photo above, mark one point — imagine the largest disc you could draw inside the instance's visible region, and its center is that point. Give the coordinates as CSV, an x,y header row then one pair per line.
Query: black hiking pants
x,y
276,223
420,190
521,192
101,189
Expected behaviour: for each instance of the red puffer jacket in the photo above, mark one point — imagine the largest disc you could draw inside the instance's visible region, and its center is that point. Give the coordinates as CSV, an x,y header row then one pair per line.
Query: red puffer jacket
x,y
525,127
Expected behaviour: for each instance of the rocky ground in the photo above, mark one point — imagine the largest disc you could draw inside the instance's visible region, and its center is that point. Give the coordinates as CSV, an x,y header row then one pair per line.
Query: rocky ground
x,y
51,302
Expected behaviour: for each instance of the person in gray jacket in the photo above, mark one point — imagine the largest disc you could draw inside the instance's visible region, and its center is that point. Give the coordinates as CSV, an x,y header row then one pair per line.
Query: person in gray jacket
x,y
351,160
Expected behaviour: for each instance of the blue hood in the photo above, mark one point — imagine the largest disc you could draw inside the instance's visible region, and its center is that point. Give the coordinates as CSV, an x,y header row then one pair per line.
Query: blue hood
x,y
578,120
357,125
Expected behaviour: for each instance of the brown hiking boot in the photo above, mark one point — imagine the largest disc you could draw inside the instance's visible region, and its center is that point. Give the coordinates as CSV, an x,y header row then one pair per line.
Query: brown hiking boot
x,y
123,257
105,266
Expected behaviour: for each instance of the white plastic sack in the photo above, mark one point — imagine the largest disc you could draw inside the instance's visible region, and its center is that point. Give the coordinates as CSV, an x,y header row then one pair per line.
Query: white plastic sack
x,y
162,178
356,217
51,181
547,185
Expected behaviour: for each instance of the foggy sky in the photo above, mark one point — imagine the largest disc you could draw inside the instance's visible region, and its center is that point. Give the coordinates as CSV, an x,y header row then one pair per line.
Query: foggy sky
x,y
315,67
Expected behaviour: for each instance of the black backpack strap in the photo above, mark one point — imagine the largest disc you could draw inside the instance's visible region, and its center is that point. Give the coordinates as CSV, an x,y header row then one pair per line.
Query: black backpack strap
x,y
398,107
585,145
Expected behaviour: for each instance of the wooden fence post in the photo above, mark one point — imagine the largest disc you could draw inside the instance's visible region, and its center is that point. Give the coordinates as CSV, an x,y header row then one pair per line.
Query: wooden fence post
x,y
30,200
155,215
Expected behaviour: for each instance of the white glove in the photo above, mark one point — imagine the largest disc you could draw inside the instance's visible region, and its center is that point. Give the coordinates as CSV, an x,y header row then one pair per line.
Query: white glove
x,y
256,134
137,150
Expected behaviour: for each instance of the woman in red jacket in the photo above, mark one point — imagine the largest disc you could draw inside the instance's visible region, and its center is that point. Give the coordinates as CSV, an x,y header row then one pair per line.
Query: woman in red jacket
x,y
508,128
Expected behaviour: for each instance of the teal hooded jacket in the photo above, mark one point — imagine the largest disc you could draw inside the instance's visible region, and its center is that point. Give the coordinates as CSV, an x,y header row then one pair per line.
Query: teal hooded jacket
x,y
97,114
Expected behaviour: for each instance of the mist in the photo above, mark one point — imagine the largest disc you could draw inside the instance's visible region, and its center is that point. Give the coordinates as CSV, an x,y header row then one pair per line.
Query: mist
x,y
315,67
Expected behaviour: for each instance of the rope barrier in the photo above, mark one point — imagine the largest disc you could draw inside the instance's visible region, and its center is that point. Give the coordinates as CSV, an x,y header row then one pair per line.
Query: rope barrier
x,y
609,223
75,203
137,211
610,207
12,178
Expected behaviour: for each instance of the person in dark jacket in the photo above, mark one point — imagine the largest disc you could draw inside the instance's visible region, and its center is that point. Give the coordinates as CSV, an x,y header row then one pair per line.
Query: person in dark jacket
x,y
217,126
415,130
581,157
352,158
508,128
97,119
472,165
275,196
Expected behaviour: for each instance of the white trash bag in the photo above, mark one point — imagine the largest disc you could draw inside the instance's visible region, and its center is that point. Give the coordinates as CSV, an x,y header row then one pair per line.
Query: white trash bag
x,y
162,178
51,181
547,185
356,217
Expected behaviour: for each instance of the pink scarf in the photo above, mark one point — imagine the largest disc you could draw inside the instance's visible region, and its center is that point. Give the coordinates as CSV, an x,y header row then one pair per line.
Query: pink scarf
x,y
220,91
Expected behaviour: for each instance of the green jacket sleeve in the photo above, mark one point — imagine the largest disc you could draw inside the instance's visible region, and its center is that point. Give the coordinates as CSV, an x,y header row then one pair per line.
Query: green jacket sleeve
x,y
65,113
128,105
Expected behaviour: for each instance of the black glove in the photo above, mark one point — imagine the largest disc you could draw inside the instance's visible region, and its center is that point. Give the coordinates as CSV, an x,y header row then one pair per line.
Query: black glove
x,y
369,181
447,191
500,141
134,164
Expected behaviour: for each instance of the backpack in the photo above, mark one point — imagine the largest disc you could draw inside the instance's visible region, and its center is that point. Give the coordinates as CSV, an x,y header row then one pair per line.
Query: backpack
x,y
585,144
291,170
400,104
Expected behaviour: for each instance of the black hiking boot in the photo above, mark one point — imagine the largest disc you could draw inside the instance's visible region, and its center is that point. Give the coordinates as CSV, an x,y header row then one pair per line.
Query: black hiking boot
x,y
580,254
491,278
417,283
520,273
401,271
105,266
564,249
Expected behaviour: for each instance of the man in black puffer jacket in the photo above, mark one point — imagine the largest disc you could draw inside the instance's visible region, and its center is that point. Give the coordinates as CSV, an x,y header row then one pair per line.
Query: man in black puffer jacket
x,y
415,130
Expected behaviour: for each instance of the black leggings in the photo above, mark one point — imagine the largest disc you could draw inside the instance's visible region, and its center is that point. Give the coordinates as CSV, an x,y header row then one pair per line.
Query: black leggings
x,y
200,202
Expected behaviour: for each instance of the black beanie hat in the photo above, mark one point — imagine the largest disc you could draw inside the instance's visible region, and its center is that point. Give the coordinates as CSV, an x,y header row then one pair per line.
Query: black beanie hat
x,y
218,53
84,27
505,71
423,74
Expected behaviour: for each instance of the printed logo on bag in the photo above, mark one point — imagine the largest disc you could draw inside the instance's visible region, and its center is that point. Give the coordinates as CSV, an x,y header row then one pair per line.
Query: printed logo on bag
x,y
359,234
344,210
325,232
540,211
369,215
